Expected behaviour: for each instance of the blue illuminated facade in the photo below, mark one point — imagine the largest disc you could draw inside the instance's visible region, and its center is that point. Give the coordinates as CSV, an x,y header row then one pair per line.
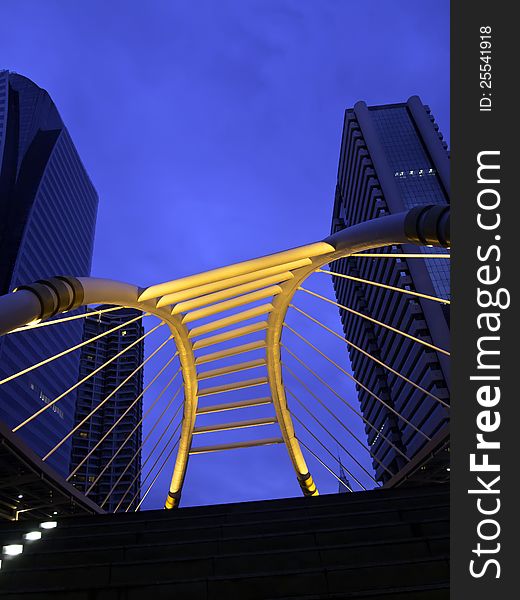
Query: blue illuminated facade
x,y
107,458
392,159
48,211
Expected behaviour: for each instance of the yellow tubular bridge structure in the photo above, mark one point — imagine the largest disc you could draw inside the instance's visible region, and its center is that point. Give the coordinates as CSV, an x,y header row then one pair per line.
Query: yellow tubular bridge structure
x,y
223,306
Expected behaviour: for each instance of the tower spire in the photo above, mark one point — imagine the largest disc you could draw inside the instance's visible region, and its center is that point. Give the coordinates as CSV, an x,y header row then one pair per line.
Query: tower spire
x,y
341,486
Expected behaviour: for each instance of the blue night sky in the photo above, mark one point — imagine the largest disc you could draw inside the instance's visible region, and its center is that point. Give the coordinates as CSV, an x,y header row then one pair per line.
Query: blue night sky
x,y
211,131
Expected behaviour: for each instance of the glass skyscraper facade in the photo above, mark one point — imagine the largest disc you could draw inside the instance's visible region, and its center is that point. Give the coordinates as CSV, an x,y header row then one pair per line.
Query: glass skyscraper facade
x,y
107,459
48,209
393,158
419,184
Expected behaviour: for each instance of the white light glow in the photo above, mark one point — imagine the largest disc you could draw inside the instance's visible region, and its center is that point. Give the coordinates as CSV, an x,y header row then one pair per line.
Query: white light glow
x,y
12,549
33,535
48,524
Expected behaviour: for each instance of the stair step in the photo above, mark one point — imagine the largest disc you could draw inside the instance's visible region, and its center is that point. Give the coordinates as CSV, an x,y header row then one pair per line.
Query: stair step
x,y
327,530
377,545
346,552
256,582
342,506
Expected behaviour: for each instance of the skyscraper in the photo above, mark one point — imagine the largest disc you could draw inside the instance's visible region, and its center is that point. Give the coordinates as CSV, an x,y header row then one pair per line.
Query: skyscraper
x,y
393,158
91,441
48,211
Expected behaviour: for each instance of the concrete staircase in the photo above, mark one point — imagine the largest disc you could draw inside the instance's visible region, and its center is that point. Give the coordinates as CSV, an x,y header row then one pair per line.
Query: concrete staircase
x,y
376,545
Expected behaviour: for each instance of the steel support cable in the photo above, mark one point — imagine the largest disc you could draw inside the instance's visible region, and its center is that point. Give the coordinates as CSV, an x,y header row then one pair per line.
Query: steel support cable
x,y
64,319
315,418
76,347
105,400
357,382
384,285
82,381
368,355
157,421
376,322
147,458
324,465
360,442
133,403
157,476
329,452
321,380
139,423
149,472
397,255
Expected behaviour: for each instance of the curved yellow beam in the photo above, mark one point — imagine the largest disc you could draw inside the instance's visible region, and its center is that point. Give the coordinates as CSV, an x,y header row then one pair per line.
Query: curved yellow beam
x,y
102,291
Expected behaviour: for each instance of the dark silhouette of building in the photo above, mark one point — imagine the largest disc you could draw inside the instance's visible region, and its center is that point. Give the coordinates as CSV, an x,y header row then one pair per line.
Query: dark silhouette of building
x,y
123,471
392,159
48,211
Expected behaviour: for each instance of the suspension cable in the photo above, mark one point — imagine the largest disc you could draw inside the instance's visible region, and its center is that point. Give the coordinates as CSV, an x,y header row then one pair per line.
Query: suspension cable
x,y
103,402
337,459
86,378
376,321
156,477
368,355
129,436
360,415
357,382
72,318
129,408
324,465
362,444
384,285
76,347
157,421
149,456
149,472
315,418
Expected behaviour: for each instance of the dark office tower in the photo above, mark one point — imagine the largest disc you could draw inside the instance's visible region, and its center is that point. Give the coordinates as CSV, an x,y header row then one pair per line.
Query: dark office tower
x,y
124,405
47,219
393,159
